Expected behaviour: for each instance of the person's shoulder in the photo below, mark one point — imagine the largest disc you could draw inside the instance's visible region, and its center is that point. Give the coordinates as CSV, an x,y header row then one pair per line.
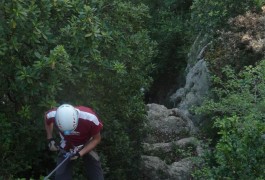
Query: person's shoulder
x,y
50,113
51,110
85,109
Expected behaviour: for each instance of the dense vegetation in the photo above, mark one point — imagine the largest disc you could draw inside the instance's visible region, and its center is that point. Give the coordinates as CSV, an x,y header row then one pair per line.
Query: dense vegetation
x,y
92,53
212,15
237,112
110,54
235,109
169,27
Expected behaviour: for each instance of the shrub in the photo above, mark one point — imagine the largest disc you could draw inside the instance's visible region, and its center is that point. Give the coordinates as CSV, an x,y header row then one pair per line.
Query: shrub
x,y
212,15
238,114
239,45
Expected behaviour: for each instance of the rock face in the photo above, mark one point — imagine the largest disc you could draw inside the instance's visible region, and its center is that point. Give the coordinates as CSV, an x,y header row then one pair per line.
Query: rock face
x,y
197,80
166,124
196,88
169,145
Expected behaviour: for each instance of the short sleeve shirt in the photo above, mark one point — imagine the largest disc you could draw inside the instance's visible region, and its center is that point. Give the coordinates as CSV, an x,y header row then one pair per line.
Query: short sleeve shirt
x,y
88,125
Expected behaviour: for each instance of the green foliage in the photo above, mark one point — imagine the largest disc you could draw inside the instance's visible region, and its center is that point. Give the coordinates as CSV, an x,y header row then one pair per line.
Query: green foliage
x,y
240,151
238,114
212,15
169,27
94,53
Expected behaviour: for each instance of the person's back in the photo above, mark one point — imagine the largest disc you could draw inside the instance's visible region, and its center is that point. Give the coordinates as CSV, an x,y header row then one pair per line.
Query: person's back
x,y
77,126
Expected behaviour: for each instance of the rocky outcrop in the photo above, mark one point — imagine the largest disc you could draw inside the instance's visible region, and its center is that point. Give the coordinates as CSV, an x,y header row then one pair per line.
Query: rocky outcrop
x,y
166,124
197,81
169,145
196,87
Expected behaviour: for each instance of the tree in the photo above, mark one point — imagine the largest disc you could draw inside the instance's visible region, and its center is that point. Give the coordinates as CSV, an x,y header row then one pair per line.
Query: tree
x,y
93,53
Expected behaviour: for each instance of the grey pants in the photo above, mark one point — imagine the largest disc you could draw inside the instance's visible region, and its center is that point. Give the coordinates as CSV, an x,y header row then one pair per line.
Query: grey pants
x,y
92,167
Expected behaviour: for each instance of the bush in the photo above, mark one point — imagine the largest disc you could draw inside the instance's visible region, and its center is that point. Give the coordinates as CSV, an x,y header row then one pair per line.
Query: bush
x,y
238,114
239,45
212,15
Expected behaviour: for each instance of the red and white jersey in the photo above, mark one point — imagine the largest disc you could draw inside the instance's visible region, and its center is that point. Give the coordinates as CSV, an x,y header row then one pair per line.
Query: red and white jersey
x,y
88,126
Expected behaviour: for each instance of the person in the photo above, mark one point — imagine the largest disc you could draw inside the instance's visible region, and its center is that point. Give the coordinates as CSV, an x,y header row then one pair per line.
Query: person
x,y
77,126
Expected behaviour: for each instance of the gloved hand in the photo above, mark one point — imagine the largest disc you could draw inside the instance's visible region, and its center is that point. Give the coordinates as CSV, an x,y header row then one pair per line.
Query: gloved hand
x,y
52,145
75,156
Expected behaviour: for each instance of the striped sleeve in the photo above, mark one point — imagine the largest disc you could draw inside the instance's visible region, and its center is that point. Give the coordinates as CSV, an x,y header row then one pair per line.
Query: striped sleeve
x,y
90,116
50,116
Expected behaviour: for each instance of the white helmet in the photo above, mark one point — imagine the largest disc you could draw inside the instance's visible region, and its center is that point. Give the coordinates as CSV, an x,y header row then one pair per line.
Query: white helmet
x,y
66,118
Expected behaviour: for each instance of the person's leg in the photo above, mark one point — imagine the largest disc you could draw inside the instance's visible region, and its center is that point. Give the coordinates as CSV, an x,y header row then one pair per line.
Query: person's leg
x,y
64,172
93,167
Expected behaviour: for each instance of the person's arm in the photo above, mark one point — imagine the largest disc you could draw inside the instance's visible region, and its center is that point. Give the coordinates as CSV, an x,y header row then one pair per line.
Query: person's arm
x,y
91,144
49,129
